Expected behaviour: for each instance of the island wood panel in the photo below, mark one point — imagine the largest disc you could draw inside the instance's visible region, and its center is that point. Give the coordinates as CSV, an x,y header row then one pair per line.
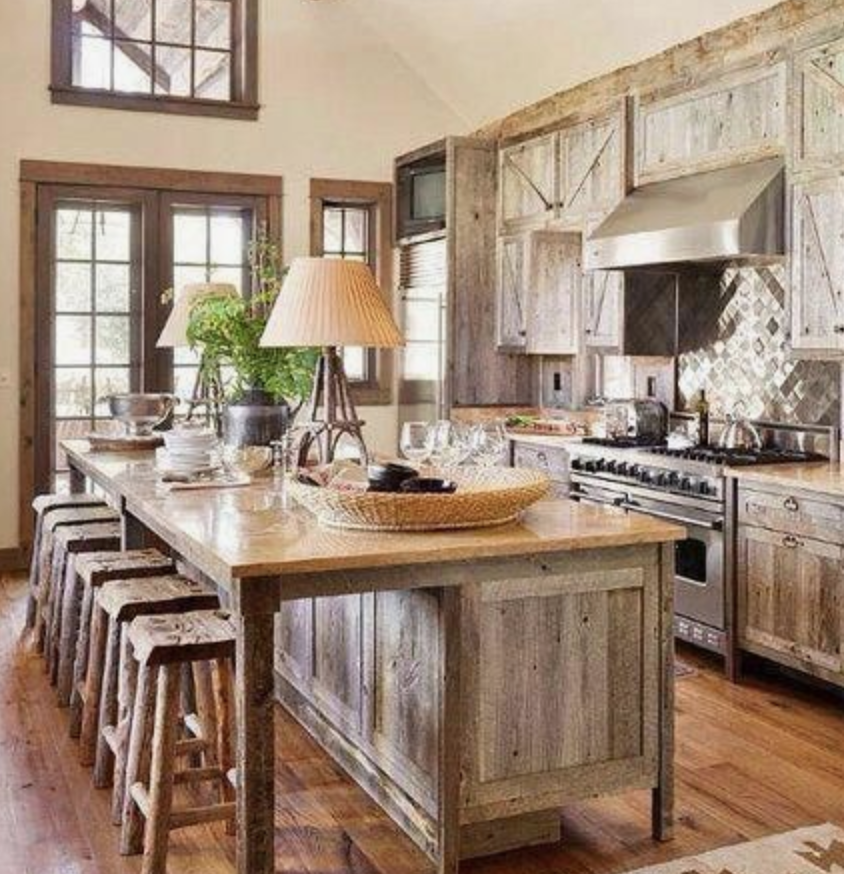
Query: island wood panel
x,y
818,106
790,600
740,118
560,695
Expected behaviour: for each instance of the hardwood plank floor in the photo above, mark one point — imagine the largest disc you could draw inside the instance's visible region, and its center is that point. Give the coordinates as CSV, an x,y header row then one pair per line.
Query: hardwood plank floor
x,y
752,760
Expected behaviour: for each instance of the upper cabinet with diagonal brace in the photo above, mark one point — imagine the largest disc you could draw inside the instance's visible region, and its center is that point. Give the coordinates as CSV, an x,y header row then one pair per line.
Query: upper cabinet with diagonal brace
x,y
527,184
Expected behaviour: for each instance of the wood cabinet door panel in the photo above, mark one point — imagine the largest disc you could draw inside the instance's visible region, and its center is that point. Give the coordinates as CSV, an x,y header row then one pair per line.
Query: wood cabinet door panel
x,y
790,599
818,93
792,513
406,659
511,294
740,118
555,276
527,183
294,635
592,173
603,299
338,659
817,288
557,684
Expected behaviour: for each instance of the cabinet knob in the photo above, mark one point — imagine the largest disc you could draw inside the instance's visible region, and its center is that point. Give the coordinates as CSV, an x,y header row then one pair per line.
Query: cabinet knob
x,y
790,541
791,504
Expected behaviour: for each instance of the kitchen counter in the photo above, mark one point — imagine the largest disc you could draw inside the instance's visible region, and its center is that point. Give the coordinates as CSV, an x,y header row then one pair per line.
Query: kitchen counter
x,y
472,681
823,477
562,440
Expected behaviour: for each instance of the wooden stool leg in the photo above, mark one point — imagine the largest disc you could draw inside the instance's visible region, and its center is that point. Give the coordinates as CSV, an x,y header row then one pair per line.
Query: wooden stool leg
x,y
104,759
157,835
80,663
93,687
68,634
34,578
54,600
45,564
224,707
137,766
126,688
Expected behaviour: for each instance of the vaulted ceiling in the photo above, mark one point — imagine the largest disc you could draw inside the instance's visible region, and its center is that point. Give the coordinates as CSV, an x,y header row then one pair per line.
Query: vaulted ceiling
x,y
486,58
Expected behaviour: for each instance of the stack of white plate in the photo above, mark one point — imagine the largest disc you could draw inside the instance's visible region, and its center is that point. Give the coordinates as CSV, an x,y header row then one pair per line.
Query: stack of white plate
x,y
188,451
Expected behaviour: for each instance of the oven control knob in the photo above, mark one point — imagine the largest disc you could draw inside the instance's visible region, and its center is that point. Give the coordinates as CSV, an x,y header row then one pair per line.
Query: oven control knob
x,y
704,488
576,464
662,479
590,467
622,468
645,476
634,470
685,484
612,467
600,464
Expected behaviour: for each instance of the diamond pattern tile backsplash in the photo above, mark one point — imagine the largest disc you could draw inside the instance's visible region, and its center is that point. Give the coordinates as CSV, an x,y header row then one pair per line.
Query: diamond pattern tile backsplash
x,y
733,344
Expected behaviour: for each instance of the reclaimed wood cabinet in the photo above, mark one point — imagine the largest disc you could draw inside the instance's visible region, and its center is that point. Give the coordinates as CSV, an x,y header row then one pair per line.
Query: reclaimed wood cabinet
x,y
553,294
739,118
527,183
790,577
817,265
592,167
511,293
603,301
561,662
817,89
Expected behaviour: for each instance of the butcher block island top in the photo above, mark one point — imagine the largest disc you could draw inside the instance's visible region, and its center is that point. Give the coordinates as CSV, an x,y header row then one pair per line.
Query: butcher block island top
x,y
471,681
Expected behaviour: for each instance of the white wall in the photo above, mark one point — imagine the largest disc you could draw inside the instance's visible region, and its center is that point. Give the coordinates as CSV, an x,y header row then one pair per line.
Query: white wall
x,y
337,102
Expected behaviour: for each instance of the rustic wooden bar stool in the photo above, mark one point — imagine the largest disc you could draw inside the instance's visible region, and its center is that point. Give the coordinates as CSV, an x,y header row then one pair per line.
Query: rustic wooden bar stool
x,y
63,604
162,645
43,506
84,515
92,571
110,681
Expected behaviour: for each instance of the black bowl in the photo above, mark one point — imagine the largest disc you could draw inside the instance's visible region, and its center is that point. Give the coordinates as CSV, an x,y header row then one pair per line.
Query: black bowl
x,y
389,477
429,486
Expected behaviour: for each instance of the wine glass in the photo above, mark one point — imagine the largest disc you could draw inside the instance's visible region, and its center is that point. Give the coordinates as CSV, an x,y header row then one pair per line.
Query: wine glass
x,y
489,440
440,436
416,442
457,444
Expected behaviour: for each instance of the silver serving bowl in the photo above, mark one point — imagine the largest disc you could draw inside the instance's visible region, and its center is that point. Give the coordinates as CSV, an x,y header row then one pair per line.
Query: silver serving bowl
x,y
140,413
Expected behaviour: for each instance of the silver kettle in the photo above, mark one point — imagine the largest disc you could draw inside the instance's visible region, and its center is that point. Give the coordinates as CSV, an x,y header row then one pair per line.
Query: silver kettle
x,y
740,432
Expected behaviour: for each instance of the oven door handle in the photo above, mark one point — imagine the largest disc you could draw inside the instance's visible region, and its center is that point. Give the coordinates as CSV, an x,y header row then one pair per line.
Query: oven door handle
x,y
714,525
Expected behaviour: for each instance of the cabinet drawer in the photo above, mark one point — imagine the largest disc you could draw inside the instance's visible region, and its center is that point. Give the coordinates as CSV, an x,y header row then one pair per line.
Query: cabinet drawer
x,y
792,513
551,459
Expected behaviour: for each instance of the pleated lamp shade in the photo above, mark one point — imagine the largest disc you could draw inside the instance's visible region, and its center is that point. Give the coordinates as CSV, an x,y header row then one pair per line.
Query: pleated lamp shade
x,y
330,302
175,331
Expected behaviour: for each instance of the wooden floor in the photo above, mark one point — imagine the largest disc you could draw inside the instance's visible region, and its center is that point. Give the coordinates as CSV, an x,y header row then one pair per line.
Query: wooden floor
x,y
752,760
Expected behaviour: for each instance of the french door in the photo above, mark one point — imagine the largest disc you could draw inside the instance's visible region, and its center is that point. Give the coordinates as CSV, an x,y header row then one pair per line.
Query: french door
x,y
105,255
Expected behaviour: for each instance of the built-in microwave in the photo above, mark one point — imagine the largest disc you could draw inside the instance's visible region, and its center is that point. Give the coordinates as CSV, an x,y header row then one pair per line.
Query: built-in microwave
x,y
421,196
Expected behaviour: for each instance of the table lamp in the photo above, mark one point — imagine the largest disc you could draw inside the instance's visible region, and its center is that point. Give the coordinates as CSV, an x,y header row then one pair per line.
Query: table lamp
x,y
330,302
207,388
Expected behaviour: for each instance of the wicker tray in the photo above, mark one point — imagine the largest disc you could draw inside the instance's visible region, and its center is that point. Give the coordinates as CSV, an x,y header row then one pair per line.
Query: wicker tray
x,y
484,497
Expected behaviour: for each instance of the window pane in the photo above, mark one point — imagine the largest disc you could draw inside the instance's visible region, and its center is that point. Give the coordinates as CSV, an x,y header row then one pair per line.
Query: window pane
x,y
92,62
190,238
112,334
73,288
173,21
227,238
421,361
185,355
113,288
73,340
184,379
232,275
172,76
109,381
183,276
332,237
73,392
73,233
422,320
213,75
132,67
213,23
112,235
356,230
354,362
134,20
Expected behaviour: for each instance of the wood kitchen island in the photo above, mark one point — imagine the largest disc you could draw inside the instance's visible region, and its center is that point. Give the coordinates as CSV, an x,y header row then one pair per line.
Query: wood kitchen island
x,y
471,681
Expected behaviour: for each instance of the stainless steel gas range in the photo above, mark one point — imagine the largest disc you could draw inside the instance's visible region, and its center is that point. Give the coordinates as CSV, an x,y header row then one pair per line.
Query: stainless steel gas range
x,y
689,486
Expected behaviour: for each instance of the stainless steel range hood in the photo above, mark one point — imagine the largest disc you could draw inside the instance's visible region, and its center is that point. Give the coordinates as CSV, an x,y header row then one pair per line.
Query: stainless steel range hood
x,y
724,215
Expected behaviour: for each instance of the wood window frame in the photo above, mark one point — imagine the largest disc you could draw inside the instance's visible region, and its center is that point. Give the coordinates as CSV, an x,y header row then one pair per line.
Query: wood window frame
x,y
243,105
377,390
39,179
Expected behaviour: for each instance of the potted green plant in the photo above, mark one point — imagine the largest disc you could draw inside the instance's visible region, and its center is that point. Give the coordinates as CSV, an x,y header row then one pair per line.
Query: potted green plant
x,y
263,387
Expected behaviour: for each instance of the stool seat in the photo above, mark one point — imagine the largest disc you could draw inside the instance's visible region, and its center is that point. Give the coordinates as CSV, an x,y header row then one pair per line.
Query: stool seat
x,y
196,636
43,503
96,568
81,537
123,600
79,516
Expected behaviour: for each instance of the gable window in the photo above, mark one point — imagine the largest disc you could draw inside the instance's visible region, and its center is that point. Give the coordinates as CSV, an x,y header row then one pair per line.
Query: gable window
x,y
353,220
184,56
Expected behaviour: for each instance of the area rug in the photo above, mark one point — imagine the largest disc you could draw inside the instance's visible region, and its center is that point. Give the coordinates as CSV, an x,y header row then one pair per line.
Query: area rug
x,y
815,850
